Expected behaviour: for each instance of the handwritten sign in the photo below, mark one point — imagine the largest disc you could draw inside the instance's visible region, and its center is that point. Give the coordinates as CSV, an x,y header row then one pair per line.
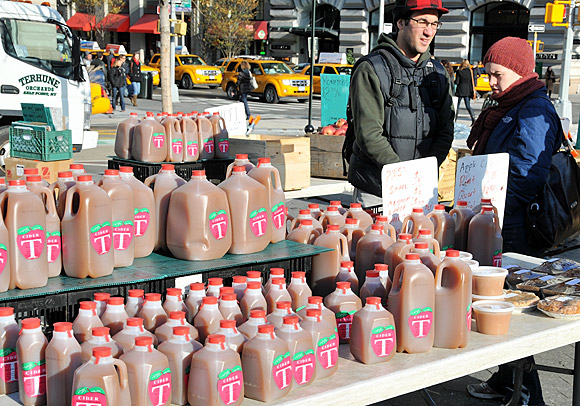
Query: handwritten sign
x,y
333,97
235,117
483,176
407,185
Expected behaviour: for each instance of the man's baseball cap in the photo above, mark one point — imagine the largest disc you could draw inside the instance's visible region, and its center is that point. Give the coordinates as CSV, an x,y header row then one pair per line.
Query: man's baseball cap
x,y
402,7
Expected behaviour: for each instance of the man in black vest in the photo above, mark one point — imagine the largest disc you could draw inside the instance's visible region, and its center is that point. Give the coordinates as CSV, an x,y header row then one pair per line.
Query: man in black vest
x,y
412,116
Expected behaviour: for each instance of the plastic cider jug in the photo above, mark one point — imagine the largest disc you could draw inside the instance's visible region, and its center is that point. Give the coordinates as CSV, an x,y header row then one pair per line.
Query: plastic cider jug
x,y
30,350
462,215
176,319
325,266
356,212
220,135
100,337
268,366
417,221
194,299
331,216
426,235
343,303
373,338
174,136
301,348
269,177
250,327
179,349
115,316
87,240
214,286
63,357
315,211
152,312
347,274
207,319
274,273
199,225
134,302
411,302
33,172
149,374
388,228
324,342
2,185
101,381
174,301
191,142
101,299
250,212
299,290
444,231
316,302
306,215
205,131
240,160
133,328
277,292
338,205
239,283
4,258
395,254
283,309
144,219
123,212
452,302
230,309
253,299
234,338
64,181
484,240
77,170
86,319
255,276
305,233
484,202
353,234
149,141
9,332
163,184
371,250
25,219
427,258
124,136
373,287
220,368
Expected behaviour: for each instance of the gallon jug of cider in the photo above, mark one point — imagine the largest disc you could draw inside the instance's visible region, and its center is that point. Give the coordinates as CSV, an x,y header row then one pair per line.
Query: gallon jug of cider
x,y
25,219
315,302
220,136
331,216
240,160
338,205
283,309
373,287
207,319
395,254
220,368
87,241
304,215
199,226
134,302
234,338
176,319
426,256
484,202
299,342
452,302
387,227
274,273
101,299
253,299
2,185
115,316
152,312
86,319
256,276
315,211
179,349
417,221
133,328
347,274
191,142
64,182
299,290
239,283
324,342
269,177
426,236
229,308
101,381
77,170
174,301
9,332
149,374
484,240
462,215
149,141
144,219
194,299
371,250
100,337
383,271
174,136
63,357
205,130
30,350
411,302
250,212
33,172
4,258
343,303
268,366
325,266
444,231
277,292
163,184
124,136
213,287
373,338
356,212
353,234
122,207
255,319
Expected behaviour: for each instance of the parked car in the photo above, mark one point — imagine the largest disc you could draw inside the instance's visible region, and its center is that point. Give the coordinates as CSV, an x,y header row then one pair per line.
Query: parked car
x,y
191,70
482,85
326,69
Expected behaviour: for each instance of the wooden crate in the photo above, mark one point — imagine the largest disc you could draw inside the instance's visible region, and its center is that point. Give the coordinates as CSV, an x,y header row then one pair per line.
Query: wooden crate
x,y
326,156
48,170
290,155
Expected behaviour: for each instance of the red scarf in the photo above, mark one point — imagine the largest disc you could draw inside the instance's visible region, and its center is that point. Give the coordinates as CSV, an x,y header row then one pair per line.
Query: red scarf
x,y
490,117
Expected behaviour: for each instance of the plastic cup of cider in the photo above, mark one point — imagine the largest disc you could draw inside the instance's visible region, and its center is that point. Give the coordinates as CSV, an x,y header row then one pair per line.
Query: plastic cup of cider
x,y
488,280
492,316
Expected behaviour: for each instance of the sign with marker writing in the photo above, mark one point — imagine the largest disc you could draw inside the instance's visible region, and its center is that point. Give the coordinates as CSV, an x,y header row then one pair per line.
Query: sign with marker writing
x,y
483,176
333,97
407,185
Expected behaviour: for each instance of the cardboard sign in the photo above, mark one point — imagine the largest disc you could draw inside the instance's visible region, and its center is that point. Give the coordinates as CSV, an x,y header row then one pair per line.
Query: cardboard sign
x,y
235,117
483,176
407,185
333,97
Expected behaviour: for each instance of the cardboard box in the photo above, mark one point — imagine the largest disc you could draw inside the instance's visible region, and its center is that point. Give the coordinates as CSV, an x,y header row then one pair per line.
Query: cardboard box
x,y
446,186
326,156
290,155
48,170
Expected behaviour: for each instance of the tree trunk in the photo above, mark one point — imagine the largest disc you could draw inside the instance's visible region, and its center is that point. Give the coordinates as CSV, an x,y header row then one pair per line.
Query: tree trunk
x,y
165,29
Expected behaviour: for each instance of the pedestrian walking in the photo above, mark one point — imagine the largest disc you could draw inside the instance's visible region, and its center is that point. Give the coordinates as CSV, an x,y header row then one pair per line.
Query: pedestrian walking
x,y
550,78
244,87
135,76
118,79
465,88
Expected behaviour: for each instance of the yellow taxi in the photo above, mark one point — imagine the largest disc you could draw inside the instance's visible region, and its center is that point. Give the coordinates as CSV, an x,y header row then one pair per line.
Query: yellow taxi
x,y
482,85
275,80
191,70
325,69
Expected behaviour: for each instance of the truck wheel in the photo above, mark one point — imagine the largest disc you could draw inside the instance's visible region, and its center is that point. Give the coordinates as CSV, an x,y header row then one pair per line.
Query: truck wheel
x,y
270,95
4,146
186,82
232,91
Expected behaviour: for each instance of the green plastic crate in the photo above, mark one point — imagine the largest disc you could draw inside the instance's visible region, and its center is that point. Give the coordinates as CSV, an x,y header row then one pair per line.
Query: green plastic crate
x,y
26,142
37,113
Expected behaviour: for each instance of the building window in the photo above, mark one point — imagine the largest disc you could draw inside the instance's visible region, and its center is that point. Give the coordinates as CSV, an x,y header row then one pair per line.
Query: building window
x,y
374,24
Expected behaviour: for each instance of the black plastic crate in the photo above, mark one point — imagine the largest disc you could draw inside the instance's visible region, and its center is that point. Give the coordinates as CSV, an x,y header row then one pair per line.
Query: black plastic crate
x,y
49,309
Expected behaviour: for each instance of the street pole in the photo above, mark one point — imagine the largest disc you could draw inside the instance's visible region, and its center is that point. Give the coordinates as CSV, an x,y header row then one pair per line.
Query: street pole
x,y
165,30
174,91
309,129
535,43
381,17
563,105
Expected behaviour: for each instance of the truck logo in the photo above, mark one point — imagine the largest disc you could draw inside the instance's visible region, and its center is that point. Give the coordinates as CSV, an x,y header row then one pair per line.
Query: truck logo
x,y
39,85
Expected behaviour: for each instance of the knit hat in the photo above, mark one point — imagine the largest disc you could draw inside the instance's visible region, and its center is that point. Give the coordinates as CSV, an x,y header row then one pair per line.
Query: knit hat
x,y
402,7
512,53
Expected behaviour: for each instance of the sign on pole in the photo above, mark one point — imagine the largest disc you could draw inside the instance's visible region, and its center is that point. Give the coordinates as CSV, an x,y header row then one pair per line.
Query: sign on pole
x,y
333,97
536,28
235,117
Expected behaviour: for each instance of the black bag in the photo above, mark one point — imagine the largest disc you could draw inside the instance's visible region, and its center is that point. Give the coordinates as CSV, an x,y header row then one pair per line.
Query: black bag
x,y
554,215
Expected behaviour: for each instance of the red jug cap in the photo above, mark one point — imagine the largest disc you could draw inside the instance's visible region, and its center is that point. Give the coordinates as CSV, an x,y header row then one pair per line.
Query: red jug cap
x,y
76,166
174,292
306,222
215,113
150,114
2,181
167,167
373,300
405,237
101,296
292,319
313,206
254,274
88,305
177,315
350,220
276,271
101,352
181,330
62,326
215,281
241,156
227,323
412,256
239,279
135,321
278,281
486,209
6,311
335,203
30,323
283,304
377,227
85,178
461,203
199,172
346,264
298,274
332,208
254,285
381,218
439,207
33,178
136,292
452,253
111,172
381,267
257,314
239,169
485,201
100,331
313,313
372,273
225,290
265,328
216,339
197,286
125,169
425,231
314,299
143,341
134,114
229,296
18,182
333,227
421,245
304,212
264,161
209,300
343,285
153,297
116,300
417,210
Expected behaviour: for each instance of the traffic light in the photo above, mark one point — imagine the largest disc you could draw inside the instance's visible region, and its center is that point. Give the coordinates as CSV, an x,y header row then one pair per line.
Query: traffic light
x,y
539,45
555,13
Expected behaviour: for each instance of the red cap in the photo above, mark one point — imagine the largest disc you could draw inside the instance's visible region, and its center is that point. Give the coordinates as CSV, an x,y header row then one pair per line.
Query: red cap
x,y
209,300
30,323
278,281
33,178
381,267
291,319
85,178
421,245
350,220
197,286
425,231
373,300
314,313
405,237
335,203
180,330
305,212
101,352
263,161
88,305
30,171
136,292
461,203
372,273
257,314
306,222
486,209
215,113
199,172
174,292
135,321
2,181
315,300
125,169
381,219
412,256
227,323
283,304
62,326
241,156
356,206
332,209
116,301
153,297
101,296
226,290
167,167
100,331
298,274
150,114
143,341
18,182
239,279
216,339
377,227
276,271
177,315
215,281
485,201
343,285
313,206
265,328
76,166
229,296
254,274
333,227
417,210
111,172
452,253
254,285
346,264
6,311
133,114
239,169
439,207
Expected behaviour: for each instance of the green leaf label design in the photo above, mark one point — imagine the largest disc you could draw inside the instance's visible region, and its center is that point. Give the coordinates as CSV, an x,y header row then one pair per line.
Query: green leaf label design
x,y
192,142
144,210
278,359
340,315
97,389
156,134
261,210
427,309
27,366
322,341
300,308
378,330
253,214
298,356
415,312
176,140
224,374
221,212
106,224
236,368
136,211
166,371
308,352
213,215
332,337
95,228
127,223
4,352
82,391
23,230
37,227
155,375
469,306
56,233
3,247
117,223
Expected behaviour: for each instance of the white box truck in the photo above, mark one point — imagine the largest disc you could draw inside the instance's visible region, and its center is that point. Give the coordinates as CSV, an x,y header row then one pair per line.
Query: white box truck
x,y
40,62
